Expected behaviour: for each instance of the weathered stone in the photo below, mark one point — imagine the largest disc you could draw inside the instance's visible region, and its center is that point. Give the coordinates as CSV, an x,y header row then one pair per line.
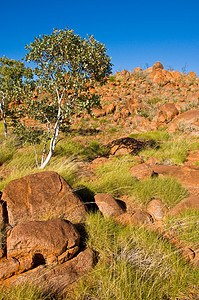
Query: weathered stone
x,y
56,280
108,205
157,65
138,217
192,202
185,119
142,171
8,267
156,209
42,196
169,111
38,242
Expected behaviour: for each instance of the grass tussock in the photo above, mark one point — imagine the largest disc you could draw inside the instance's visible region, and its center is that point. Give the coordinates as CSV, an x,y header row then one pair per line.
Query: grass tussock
x,y
173,151
186,226
115,178
22,292
133,264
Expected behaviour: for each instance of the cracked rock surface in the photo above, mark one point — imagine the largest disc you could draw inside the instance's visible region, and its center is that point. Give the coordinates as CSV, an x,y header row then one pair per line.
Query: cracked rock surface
x,y
42,196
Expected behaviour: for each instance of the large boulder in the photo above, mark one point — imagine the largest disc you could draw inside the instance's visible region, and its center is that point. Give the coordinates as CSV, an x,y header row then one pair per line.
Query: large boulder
x,y
169,111
38,242
42,196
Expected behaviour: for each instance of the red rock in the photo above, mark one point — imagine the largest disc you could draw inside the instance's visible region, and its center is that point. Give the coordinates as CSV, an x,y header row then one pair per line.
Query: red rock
x,y
138,69
40,196
56,280
157,65
142,171
156,209
192,202
187,118
39,242
169,111
8,267
109,108
99,112
192,158
176,75
108,205
138,217
191,75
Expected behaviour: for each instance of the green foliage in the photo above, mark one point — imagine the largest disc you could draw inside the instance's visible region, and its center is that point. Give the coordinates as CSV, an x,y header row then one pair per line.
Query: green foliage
x,y
66,67
114,177
134,263
168,189
14,76
71,148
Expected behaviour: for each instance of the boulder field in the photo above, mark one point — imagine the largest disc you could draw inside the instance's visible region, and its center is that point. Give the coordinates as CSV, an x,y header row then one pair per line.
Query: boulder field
x,y
40,242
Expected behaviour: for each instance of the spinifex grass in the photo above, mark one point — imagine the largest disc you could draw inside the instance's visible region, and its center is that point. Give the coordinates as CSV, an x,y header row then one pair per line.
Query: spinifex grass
x,y
115,178
186,226
134,263
23,292
174,150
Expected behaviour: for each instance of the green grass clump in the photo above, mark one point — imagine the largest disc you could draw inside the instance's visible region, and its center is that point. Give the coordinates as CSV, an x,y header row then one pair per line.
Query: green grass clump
x,y
134,263
175,150
168,189
69,148
152,135
23,292
8,147
185,225
115,178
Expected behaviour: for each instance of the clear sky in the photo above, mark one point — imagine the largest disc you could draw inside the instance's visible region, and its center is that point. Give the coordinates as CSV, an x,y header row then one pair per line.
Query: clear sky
x,y
136,33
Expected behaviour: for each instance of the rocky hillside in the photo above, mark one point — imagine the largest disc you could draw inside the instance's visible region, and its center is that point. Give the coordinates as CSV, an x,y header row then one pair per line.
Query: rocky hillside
x,y
149,100
115,215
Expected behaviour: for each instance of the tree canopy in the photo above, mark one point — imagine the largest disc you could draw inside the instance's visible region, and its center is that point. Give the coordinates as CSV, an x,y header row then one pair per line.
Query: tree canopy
x,y
13,75
66,66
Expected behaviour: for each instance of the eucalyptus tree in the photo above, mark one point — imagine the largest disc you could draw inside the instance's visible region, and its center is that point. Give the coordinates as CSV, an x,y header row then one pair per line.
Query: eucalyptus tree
x,y
13,76
65,67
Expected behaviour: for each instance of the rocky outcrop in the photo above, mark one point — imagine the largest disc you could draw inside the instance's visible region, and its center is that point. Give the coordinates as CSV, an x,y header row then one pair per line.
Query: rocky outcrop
x,y
184,121
187,175
42,196
39,242
125,145
56,280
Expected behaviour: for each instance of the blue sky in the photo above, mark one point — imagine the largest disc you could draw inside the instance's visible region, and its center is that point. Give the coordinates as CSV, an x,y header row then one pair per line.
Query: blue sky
x,y
135,32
